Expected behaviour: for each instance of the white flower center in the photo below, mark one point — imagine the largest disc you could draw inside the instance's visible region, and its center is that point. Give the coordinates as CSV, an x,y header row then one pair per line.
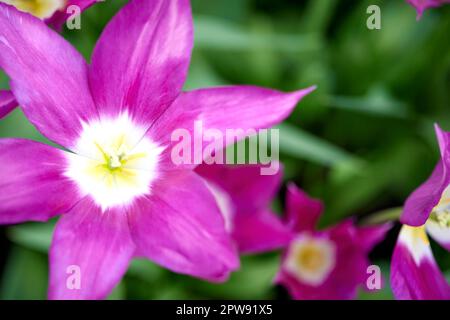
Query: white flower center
x,y
310,259
114,162
416,240
42,9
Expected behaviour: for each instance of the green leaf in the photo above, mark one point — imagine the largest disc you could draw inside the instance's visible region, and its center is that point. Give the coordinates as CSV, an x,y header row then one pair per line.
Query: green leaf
x,y
253,281
392,214
302,145
377,102
25,275
213,33
36,236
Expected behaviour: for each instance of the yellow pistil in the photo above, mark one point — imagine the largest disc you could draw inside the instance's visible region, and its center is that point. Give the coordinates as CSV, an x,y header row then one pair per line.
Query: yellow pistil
x,y
311,257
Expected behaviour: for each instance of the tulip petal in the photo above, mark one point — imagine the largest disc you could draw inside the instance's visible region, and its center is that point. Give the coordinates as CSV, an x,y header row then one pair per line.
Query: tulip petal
x,y
48,76
253,227
303,212
247,188
7,103
91,244
422,5
440,234
140,62
372,235
414,272
259,232
32,182
421,202
232,107
180,227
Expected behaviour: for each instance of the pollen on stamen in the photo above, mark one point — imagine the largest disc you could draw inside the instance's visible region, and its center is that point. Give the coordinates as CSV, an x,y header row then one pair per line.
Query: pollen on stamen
x,y
311,259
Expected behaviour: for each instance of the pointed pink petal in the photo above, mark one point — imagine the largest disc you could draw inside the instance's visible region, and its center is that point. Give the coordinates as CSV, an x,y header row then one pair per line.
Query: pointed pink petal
x,y
32,182
421,202
260,231
140,63
97,243
48,76
303,212
7,103
180,227
370,236
440,234
233,107
247,188
414,272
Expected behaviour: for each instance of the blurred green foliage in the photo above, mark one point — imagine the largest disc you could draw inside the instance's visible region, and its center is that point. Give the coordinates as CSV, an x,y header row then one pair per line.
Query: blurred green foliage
x,y
362,141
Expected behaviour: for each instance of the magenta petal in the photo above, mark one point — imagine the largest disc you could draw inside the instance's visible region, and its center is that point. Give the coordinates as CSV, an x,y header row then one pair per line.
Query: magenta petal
x,y
260,231
414,272
422,5
48,76
7,103
32,182
94,244
235,107
254,227
303,212
181,228
247,188
421,202
140,63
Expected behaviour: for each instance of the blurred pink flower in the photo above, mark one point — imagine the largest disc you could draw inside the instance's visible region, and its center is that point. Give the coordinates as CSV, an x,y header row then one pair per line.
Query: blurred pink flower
x,y
120,192
324,264
317,264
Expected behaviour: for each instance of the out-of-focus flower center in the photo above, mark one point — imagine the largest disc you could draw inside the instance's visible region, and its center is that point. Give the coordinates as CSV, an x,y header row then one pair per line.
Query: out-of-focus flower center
x,y
42,9
114,161
311,259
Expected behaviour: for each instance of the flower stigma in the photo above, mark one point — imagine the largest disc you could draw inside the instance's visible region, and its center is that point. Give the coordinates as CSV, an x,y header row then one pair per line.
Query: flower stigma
x,y
311,259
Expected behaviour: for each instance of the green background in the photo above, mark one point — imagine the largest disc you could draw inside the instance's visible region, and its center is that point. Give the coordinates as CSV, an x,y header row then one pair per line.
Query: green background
x,y
361,142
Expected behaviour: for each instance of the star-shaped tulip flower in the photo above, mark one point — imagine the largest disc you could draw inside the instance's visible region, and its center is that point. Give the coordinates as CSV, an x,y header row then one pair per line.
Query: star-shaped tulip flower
x,y
324,264
316,264
54,13
115,183
415,274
